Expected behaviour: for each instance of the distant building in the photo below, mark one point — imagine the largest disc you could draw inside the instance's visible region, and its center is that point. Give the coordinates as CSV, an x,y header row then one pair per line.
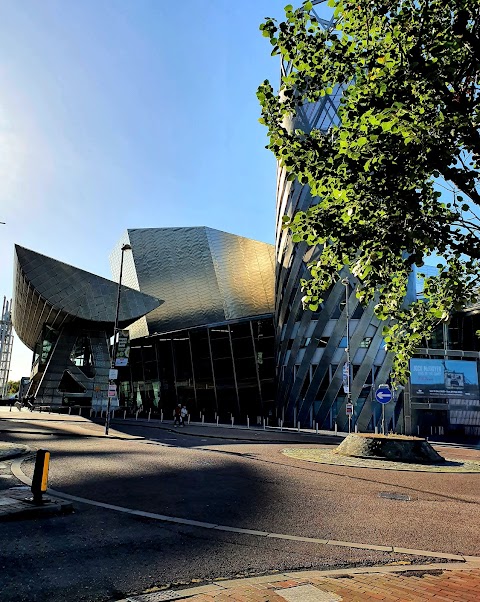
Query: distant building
x,y
6,345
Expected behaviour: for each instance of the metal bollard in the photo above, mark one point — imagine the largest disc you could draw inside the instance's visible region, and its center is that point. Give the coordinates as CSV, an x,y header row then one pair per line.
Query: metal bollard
x,y
356,428
188,419
264,424
69,410
232,421
161,416
316,428
80,411
298,426
124,414
336,428
136,414
203,419
248,422
149,413
376,430
217,420
281,425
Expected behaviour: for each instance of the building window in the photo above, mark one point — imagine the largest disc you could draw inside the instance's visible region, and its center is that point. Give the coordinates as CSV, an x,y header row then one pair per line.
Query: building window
x,y
365,344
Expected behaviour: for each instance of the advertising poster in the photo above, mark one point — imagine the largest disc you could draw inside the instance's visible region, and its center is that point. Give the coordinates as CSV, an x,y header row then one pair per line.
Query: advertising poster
x,y
452,379
123,348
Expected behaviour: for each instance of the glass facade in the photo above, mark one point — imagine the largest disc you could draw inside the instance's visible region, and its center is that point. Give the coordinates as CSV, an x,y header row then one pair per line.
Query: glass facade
x,y
223,370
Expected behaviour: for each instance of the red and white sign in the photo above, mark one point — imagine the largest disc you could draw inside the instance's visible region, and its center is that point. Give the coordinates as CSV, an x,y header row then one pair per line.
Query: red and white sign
x,y
112,390
349,409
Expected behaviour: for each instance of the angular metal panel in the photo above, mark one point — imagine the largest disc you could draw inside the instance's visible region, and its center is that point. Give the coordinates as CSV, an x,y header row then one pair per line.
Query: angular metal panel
x,y
204,275
71,294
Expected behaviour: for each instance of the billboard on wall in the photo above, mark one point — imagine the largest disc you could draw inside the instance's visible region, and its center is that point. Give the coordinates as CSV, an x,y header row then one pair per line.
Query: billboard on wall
x,y
453,379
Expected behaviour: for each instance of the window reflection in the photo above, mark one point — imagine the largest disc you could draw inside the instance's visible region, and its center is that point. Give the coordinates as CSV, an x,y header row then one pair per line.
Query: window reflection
x,y
225,369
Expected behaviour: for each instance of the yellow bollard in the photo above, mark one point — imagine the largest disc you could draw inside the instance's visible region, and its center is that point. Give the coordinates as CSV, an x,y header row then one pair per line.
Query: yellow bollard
x,y
40,476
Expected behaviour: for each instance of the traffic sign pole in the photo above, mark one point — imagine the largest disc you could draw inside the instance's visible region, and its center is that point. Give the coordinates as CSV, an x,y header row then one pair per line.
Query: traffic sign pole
x,y
383,395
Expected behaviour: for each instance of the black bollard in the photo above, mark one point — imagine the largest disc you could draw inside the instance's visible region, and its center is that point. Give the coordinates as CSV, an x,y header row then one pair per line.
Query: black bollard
x,y
40,476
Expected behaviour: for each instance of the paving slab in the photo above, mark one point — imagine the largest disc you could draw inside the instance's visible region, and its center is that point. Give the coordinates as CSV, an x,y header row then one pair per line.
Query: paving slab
x,y
14,505
432,554
306,593
12,450
430,582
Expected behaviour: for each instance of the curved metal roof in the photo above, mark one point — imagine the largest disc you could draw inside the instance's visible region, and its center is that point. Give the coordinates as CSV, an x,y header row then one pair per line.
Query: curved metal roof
x,y
204,275
48,291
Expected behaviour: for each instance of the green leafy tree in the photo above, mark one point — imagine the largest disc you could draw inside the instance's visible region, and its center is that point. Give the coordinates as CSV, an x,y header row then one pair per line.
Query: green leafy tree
x,y
13,387
410,115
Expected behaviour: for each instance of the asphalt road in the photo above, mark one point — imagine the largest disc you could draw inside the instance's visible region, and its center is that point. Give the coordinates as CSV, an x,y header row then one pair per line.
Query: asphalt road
x,y
98,554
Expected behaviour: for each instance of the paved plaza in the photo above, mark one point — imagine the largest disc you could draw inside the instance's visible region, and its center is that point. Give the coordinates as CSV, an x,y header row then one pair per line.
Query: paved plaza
x,y
433,583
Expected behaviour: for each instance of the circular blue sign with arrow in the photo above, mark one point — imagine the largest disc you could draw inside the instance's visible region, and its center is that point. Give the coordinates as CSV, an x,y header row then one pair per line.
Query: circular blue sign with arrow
x,y
383,394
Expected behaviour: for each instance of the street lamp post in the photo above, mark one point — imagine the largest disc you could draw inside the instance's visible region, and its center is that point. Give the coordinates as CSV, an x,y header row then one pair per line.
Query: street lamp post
x,y
125,247
346,284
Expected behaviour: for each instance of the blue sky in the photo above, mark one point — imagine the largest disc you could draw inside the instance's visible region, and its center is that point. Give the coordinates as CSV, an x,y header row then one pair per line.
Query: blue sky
x,y
129,113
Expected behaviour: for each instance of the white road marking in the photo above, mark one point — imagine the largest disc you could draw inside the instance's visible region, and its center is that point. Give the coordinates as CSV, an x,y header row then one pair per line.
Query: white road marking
x,y
17,471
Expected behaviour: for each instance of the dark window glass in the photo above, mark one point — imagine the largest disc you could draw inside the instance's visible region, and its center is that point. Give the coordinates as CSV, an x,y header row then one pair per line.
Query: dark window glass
x,y
183,369
267,368
202,364
150,371
242,347
246,372
240,330
337,312
223,372
263,328
221,347
358,313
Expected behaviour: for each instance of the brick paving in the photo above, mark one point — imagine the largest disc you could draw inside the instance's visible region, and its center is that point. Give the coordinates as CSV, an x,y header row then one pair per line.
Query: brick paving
x,y
420,585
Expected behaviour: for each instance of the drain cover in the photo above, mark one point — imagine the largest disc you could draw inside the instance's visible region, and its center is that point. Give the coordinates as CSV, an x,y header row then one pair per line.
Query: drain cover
x,y
403,497
167,594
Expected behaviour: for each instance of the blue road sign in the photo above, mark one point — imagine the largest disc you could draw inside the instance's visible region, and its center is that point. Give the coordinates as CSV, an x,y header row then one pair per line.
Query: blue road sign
x,y
383,394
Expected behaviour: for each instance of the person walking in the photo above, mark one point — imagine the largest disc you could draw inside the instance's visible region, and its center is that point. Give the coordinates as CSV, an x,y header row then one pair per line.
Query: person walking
x,y
177,413
183,414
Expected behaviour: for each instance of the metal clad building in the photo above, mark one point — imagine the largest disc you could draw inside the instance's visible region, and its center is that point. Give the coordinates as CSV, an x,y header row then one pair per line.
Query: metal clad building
x,y
210,345
205,276
65,315
311,345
